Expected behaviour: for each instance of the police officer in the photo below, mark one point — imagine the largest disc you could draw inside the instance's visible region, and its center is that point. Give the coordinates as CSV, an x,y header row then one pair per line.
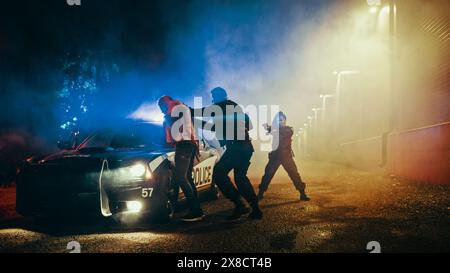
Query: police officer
x,y
281,155
239,150
186,148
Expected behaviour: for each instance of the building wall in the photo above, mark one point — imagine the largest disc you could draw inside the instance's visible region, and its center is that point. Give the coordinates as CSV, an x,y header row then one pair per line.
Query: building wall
x,y
418,147
421,154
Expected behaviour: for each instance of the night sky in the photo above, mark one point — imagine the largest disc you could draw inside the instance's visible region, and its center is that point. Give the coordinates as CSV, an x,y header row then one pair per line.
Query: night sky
x,y
140,50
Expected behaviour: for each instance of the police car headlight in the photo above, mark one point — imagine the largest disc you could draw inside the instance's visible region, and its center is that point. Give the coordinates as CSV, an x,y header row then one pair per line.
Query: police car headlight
x,y
134,206
135,172
138,170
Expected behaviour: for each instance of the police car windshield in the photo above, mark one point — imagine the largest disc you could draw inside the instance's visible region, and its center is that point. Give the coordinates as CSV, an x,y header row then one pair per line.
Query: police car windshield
x,y
143,135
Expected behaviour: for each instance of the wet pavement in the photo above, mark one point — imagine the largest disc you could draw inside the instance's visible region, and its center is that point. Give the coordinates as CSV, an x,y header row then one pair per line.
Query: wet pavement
x,y
349,208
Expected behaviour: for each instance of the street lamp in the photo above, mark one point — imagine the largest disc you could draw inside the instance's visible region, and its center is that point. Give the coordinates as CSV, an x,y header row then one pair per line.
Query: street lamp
x,y
310,121
316,120
391,9
299,136
306,137
339,75
315,110
373,2
374,5
324,98
373,10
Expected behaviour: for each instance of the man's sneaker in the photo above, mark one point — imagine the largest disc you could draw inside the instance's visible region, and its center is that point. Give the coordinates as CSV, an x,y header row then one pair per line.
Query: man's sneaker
x,y
256,214
193,217
304,197
238,212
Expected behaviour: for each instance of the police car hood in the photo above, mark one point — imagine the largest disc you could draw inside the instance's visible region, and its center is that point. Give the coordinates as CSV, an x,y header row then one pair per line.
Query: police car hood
x,y
98,155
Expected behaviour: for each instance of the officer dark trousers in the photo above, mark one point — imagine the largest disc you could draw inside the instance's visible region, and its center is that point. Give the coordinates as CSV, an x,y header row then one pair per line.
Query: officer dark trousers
x,y
184,160
237,158
285,159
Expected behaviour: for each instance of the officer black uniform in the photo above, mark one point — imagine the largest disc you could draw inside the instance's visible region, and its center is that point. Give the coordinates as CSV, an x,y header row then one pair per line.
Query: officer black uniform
x,y
281,154
237,155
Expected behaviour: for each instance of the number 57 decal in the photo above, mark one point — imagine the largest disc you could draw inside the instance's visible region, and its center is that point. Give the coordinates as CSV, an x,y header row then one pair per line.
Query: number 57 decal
x,y
147,192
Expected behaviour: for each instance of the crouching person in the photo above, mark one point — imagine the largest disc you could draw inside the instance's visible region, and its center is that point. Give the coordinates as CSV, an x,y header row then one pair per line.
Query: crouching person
x,y
281,155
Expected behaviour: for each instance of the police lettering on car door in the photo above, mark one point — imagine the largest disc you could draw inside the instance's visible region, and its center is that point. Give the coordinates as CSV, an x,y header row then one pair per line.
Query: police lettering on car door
x,y
202,175
202,172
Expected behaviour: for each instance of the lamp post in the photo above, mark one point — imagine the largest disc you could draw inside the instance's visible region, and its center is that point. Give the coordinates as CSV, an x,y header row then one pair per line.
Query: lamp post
x,y
316,132
392,34
315,110
339,75
324,98
316,119
306,138
391,8
300,142
310,136
310,121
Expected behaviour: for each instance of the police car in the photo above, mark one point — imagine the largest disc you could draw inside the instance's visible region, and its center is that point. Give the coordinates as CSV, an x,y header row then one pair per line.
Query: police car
x,y
125,170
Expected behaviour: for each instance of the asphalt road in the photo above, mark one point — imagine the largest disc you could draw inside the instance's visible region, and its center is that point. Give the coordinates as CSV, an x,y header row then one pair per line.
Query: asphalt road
x,y
349,208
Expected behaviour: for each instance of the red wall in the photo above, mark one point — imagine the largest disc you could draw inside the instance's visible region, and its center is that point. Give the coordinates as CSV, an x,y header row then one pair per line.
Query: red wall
x,y
421,154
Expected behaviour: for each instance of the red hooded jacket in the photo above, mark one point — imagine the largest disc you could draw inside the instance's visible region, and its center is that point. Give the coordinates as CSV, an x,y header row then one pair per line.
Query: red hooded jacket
x,y
184,133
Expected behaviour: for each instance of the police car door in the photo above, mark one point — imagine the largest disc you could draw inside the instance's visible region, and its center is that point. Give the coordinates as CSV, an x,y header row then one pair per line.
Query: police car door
x,y
204,166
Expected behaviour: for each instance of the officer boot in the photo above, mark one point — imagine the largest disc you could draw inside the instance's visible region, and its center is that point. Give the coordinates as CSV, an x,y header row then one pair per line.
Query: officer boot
x,y
256,212
260,195
238,211
303,196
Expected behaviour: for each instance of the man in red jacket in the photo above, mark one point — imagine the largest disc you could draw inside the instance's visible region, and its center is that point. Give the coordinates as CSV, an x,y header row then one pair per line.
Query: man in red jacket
x,y
180,133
